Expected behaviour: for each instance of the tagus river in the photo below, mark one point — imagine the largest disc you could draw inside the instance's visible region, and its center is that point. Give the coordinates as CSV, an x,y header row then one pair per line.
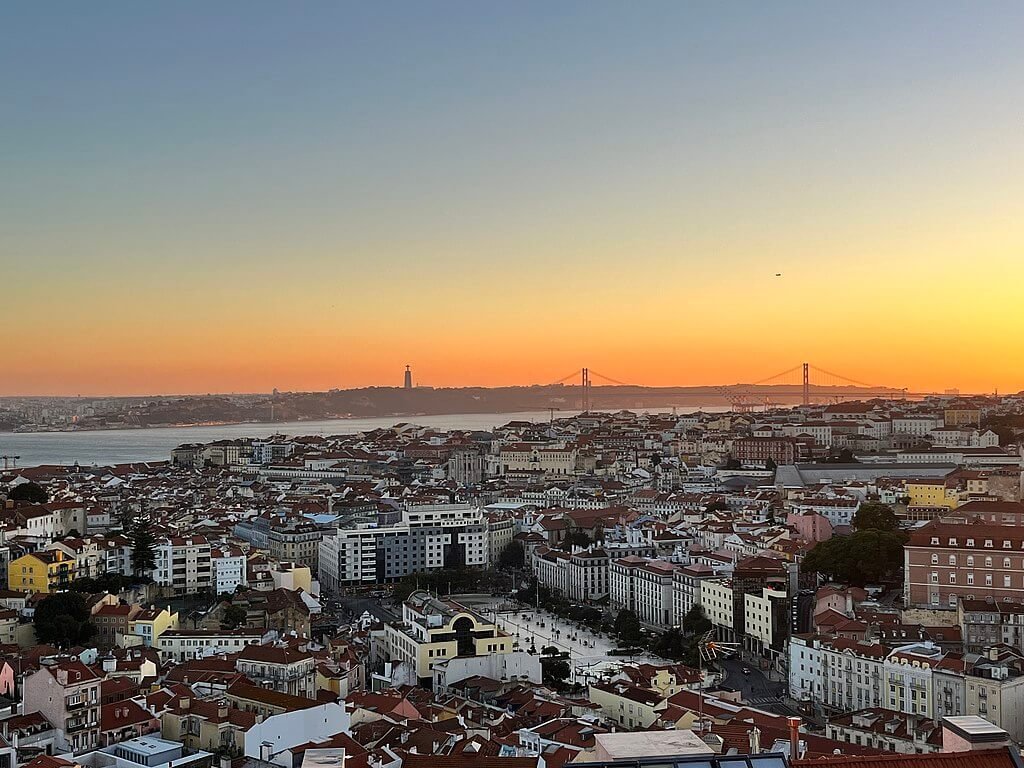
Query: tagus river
x,y
118,446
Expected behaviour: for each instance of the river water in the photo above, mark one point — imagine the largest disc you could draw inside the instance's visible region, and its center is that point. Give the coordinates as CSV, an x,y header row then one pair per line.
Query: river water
x,y
118,446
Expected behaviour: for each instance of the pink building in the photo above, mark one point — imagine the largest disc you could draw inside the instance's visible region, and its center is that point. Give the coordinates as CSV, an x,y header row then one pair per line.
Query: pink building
x,y
810,526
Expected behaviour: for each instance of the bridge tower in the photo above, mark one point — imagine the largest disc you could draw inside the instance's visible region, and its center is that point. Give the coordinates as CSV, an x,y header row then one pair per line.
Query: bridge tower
x,y
585,388
807,383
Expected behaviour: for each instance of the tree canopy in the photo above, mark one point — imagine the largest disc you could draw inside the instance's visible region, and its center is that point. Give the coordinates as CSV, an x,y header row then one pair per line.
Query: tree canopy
x,y
862,557
695,622
234,617
63,620
875,516
627,628
512,556
31,492
578,538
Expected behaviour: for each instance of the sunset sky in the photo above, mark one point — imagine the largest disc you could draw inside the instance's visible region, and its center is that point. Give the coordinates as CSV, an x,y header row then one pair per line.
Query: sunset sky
x,y
222,197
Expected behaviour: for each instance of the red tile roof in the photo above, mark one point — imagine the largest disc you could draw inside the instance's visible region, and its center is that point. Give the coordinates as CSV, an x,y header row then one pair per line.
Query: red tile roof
x,y
986,758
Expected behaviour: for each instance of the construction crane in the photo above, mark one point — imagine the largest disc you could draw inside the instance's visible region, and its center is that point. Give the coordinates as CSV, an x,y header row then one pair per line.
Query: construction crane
x,y
10,461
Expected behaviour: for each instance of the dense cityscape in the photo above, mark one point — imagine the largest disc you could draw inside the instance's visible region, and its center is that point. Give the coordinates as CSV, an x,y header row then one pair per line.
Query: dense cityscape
x,y
547,384
831,579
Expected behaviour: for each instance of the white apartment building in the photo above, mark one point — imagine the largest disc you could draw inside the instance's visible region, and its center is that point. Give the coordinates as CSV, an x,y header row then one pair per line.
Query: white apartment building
x,y
551,567
918,426
758,614
186,644
686,589
429,537
653,592
908,678
838,510
717,601
588,574
184,563
228,569
500,533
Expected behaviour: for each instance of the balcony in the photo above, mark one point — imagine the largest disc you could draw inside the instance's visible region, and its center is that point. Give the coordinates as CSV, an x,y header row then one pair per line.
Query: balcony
x,y
73,726
74,702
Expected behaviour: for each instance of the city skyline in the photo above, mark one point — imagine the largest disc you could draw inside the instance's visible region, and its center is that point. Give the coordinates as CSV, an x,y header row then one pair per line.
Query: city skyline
x,y
244,197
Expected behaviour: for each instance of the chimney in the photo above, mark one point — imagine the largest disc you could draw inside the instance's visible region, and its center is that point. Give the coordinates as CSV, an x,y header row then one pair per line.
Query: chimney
x,y
794,737
225,762
969,733
755,740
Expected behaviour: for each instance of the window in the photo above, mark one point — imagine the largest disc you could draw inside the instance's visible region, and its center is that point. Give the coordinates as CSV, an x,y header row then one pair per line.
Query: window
x,y
988,562
970,561
1006,562
952,578
952,559
935,559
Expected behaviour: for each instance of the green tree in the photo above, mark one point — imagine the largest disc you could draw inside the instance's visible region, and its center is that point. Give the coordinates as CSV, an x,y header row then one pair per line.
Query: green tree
x,y
143,549
875,516
627,628
862,557
555,671
695,622
770,464
512,556
62,620
31,492
673,644
577,538
234,617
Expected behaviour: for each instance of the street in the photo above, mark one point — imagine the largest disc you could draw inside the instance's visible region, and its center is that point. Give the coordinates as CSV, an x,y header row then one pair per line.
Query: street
x,y
755,688
355,606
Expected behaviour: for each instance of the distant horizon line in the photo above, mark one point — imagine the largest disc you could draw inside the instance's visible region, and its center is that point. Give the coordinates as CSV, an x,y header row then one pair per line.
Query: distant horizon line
x,y
947,392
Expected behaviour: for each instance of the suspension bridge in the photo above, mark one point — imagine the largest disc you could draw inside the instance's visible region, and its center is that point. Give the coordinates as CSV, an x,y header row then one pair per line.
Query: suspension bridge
x,y
803,383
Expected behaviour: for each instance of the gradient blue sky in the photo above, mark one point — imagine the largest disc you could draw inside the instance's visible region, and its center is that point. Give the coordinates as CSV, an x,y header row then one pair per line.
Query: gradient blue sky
x,y
236,196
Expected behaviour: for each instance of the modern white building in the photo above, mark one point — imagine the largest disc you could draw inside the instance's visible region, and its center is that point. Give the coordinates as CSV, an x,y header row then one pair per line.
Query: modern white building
x,y
429,537
183,563
187,644
228,569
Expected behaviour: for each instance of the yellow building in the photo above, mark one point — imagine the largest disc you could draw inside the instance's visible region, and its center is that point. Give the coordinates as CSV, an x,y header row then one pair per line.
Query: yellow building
x,y
931,492
433,629
628,705
150,624
961,414
50,571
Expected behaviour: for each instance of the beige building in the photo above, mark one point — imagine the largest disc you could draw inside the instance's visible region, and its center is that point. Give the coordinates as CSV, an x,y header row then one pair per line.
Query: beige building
x,y
68,695
434,629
